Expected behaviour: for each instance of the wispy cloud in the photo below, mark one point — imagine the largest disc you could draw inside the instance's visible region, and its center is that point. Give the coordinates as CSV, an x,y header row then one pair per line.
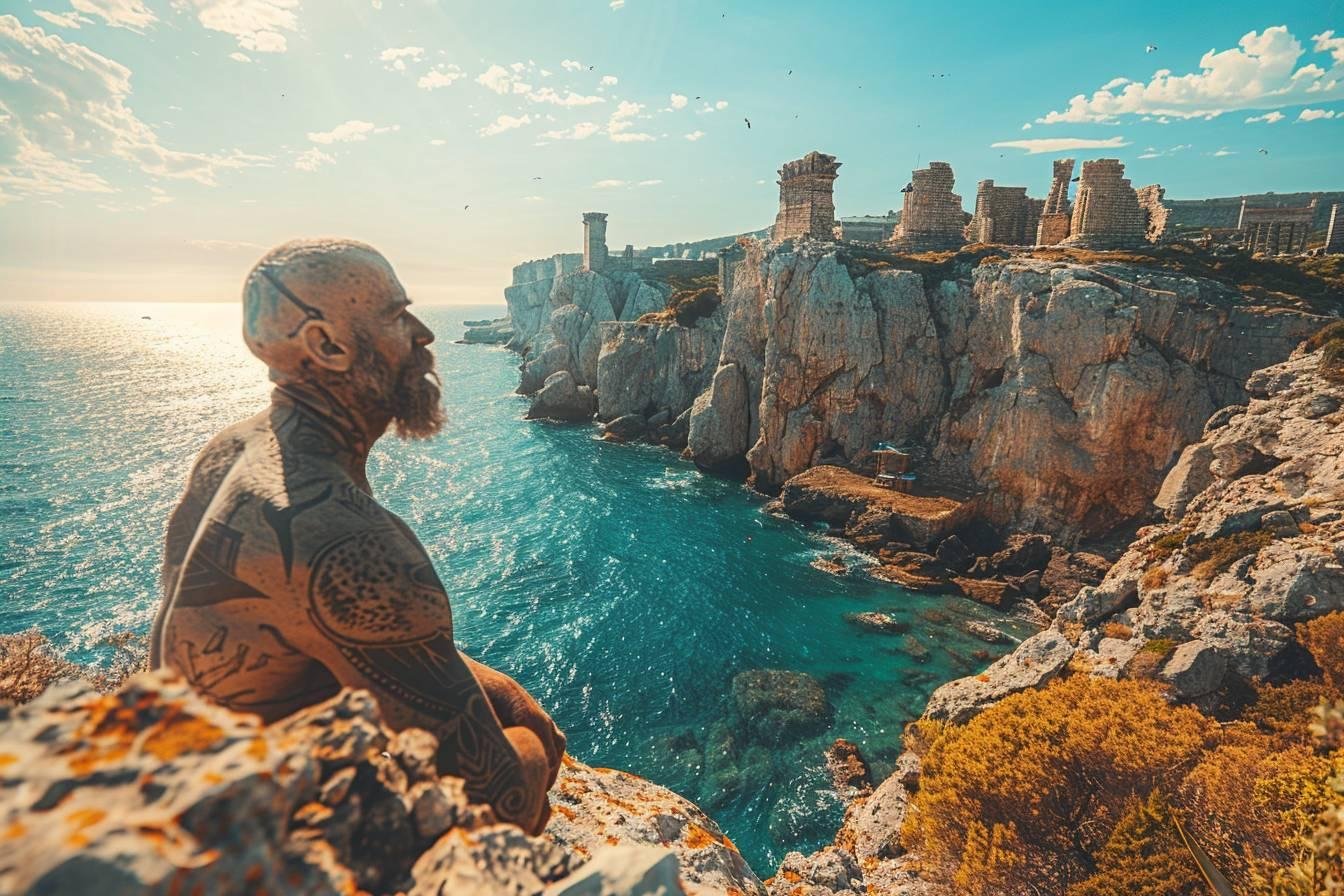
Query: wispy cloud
x,y
571,65
617,4
1262,72
257,25
618,126
505,123
70,19
312,159
650,183
394,59
352,131
1060,144
240,57
581,131
1267,118
609,81
1224,152
1315,114
609,184
695,135
132,14
440,76
1153,152
66,107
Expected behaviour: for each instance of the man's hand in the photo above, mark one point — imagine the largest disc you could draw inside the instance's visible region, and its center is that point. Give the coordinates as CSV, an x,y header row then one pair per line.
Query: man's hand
x,y
516,709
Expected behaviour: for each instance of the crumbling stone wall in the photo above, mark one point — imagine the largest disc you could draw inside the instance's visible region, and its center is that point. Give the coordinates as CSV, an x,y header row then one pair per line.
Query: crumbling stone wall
x,y
806,198
1106,212
1056,214
1154,212
1002,215
1276,231
932,217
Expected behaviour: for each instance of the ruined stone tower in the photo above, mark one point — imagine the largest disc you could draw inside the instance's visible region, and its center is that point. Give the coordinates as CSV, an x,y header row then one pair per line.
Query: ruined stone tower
x,y
806,198
594,241
1003,215
1334,236
1155,212
932,217
1106,212
1055,215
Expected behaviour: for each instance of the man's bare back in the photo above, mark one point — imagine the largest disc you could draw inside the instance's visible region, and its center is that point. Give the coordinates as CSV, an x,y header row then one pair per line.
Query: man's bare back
x,y
284,580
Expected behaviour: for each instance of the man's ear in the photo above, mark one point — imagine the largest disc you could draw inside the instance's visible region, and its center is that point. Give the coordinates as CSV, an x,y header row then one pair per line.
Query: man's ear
x,y
323,348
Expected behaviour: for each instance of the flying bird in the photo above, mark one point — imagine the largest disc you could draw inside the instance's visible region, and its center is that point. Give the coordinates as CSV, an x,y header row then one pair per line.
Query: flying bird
x,y
1150,48
1074,181
465,207
1264,151
748,121
789,72
536,177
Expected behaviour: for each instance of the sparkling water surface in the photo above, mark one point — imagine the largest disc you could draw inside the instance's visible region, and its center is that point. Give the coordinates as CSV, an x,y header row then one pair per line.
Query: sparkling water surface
x,y
623,588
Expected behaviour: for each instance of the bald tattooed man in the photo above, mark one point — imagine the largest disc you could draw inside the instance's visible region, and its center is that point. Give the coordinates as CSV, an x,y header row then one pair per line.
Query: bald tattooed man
x,y
284,580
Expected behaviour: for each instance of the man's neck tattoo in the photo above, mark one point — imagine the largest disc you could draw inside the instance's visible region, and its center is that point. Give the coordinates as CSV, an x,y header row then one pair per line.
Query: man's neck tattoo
x,y
328,411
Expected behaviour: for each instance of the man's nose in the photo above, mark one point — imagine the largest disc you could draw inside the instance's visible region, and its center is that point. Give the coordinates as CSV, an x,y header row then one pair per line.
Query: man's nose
x,y
423,335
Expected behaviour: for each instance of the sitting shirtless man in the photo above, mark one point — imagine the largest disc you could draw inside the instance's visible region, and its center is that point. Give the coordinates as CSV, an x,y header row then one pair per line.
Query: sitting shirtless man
x,y
284,580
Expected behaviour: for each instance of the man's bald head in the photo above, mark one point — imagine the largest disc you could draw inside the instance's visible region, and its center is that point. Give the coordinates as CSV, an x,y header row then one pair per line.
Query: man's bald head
x,y
341,282
332,313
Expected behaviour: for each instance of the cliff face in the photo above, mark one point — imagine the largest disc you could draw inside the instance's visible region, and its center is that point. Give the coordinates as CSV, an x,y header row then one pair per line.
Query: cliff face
x,y
155,790
1061,391
1254,545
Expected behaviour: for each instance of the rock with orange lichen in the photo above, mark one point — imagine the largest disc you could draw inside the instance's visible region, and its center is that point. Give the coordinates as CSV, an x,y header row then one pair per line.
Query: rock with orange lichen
x,y
594,807
155,790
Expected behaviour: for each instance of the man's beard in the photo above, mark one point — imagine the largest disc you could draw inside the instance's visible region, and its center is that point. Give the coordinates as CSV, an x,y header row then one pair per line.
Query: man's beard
x,y
412,396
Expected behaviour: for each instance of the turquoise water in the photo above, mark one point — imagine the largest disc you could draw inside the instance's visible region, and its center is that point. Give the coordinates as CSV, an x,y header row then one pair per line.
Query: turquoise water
x,y
618,584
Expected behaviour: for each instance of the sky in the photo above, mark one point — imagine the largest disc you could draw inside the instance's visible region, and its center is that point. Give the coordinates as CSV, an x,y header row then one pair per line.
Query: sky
x,y
154,149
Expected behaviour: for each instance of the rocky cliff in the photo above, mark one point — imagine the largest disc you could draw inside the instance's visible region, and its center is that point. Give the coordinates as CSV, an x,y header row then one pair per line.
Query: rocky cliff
x,y
154,790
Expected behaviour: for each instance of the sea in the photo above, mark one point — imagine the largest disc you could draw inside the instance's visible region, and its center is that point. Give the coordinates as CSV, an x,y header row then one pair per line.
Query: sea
x,y
624,588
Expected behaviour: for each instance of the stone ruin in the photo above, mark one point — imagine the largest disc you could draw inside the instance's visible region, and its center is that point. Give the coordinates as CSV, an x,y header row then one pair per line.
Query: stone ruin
x,y
1003,215
1056,214
1334,236
594,241
1154,212
1106,211
1276,231
932,218
806,198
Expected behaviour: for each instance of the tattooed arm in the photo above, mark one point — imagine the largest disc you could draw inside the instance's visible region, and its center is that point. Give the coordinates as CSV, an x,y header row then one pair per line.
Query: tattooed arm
x,y
378,618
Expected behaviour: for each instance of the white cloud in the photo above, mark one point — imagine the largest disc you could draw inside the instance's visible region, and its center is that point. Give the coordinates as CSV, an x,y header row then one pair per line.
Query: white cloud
x,y
618,126
571,65
695,135
609,184
608,81
504,123
721,105
1114,83
533,199
1224,152
395,58
1060,144
649,183
678,101
312,159
240,57
1027,126
581,131
617,4
569,98
1260,73
257,25
1267,118
496,78
631,137
1326,42
440,76
1154,153
352,131
63,19
63,106
223,245
1315,114
132,14
438,141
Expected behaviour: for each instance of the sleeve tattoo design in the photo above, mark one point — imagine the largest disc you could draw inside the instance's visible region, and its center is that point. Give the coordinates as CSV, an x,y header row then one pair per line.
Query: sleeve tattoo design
x,y
371,603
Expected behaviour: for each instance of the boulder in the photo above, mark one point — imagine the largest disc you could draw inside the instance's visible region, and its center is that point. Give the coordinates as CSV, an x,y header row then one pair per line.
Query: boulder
x,y
562,398
875,621
953,554
1022,554
1035,662
625,429
849,771
994,593
776,706
1194,669
829,872
627,870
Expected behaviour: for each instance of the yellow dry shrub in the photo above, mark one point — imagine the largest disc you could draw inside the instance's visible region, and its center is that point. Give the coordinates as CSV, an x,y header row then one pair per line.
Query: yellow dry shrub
x,y
1324,638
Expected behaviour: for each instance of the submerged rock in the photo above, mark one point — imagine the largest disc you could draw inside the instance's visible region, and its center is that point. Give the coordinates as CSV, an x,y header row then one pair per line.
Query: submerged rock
x,y
776,706
878,622
849,771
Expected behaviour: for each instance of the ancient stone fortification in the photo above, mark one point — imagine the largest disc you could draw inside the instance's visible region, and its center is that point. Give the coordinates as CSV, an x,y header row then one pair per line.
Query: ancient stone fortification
x,y
1003,215
806,200
594,241
1106,211
1155,212
1334,235
932,217
1056,213
867,228
1191,217
1275,231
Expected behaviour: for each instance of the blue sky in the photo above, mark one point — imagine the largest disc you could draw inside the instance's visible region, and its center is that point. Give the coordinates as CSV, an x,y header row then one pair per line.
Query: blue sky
x,y
152,149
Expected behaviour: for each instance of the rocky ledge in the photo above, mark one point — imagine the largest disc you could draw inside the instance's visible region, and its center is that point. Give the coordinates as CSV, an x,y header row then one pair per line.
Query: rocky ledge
x,y
152,789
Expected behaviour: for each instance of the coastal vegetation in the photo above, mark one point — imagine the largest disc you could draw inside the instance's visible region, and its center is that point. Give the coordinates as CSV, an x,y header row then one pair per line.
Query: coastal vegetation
x,y
1075,789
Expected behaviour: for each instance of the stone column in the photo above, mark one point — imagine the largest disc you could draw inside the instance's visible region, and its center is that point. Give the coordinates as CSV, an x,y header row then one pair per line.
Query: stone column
x,y
1334,236
594,241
